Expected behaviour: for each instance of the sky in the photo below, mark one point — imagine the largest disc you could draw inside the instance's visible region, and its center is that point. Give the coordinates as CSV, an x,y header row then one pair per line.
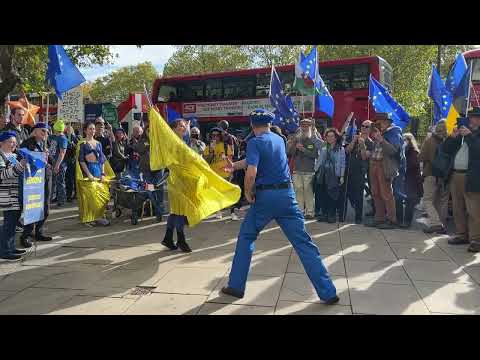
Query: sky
x,y
131,55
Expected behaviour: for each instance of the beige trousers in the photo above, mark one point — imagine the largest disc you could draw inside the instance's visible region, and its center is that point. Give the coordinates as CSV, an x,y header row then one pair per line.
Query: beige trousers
x,y
304,191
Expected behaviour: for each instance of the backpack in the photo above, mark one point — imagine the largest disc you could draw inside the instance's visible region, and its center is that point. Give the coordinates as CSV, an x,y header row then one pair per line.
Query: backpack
x,y
442,163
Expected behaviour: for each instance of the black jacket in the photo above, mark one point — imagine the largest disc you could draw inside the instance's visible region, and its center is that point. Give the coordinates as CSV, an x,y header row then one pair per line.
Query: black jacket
x,y
21,134
452,145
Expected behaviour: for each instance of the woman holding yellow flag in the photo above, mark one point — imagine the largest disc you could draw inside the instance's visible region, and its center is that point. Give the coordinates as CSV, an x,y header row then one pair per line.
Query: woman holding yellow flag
x,y
92,178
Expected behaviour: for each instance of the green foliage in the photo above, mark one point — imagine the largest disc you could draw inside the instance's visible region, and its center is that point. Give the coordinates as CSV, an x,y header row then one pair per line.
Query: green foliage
x,y
31,62
116,86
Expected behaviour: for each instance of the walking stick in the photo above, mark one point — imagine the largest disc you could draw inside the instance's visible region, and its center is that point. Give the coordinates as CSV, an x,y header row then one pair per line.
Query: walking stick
x,y
346,190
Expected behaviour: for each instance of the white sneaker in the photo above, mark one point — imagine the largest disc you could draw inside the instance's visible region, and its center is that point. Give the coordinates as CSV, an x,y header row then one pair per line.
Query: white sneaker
x,y
103,222
219,215
235,217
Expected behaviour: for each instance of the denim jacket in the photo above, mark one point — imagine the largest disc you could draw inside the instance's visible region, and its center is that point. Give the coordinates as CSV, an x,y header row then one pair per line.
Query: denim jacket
x,y
338,155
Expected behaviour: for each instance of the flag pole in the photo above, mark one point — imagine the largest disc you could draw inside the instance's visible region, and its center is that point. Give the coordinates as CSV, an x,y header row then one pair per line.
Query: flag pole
x,y
48,106
315,82
468,94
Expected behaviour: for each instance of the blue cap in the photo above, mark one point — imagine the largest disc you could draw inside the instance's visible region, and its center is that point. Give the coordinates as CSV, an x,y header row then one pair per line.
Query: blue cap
x,y
261,116
41,125
7,135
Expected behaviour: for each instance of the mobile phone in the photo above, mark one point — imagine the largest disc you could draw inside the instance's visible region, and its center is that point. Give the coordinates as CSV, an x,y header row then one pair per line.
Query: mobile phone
x,y
463,121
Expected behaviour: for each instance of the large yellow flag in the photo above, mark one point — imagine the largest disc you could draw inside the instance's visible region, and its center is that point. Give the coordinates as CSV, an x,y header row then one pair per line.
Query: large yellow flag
x,y
451,121
93,196
194,189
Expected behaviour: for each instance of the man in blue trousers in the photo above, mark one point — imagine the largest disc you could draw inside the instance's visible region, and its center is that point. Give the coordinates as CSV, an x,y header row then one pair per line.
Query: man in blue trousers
x,y
269,190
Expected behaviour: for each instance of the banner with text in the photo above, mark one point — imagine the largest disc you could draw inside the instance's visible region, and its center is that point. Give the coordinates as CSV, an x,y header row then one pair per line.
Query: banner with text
x,y
71,108
237,107
33,196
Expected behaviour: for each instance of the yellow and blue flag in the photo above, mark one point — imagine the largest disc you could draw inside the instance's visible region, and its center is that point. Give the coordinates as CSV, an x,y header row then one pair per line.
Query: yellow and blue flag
x,y
459,102
194,189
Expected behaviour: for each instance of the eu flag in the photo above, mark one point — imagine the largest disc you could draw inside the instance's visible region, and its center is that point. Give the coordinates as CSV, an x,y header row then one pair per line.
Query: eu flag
x,y
456,73
383,102
172,115
62,74
286,115
441,96
36,160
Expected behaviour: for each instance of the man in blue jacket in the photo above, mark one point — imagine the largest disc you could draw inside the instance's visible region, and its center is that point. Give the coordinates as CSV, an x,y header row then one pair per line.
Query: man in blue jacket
x,y
269,190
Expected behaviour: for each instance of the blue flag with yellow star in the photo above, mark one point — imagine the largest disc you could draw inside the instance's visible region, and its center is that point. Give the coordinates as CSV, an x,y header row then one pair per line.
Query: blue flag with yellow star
x,y
442,98
383,102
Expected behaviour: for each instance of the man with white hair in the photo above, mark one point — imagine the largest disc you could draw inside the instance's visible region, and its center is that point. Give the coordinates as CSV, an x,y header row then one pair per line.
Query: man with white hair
x,y
304,150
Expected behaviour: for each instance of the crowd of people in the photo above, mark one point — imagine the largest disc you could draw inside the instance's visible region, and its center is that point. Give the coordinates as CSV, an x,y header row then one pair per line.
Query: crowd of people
x,y
328,169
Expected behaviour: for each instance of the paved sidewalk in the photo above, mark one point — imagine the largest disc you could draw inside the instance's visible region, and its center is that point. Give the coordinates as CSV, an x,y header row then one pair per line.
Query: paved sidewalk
x,y
123,269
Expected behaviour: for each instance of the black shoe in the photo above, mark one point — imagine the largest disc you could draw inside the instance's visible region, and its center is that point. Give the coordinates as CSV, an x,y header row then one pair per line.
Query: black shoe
x,y
168,240
25,241
358,221
458,240
322,218
232,292
370,214
60,205
43,238
69,200
18,229
182,243
404,226
387,225
437,229
332,219
375,223
11,257
19,251
53,201
474,248
333,300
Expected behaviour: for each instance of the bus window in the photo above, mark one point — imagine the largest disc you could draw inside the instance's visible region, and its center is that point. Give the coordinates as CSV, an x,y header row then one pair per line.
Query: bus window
x,y
476,70
191,91
337,78
386,74
239,87
360,76
287,78
167,93
213,89
262,86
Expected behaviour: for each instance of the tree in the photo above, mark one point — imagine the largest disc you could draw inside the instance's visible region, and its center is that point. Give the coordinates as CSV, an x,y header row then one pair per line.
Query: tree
x,y
116,86
194,59
23,67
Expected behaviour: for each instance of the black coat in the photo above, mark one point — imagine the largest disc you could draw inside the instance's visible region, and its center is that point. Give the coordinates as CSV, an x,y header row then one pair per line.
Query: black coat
x,y
452,145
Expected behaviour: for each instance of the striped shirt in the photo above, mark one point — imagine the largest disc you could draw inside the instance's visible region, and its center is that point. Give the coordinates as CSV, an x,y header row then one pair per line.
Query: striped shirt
x,y
9,184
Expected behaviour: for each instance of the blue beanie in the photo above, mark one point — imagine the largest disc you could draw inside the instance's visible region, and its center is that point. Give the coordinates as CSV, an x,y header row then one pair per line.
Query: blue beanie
x,y
7,135
261,116
41,125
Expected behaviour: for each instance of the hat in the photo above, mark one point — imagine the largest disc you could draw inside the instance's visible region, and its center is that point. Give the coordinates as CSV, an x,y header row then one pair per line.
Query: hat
x,y
41,125
261,116
120,129
215,129
306,121
59,126
474,112
7,135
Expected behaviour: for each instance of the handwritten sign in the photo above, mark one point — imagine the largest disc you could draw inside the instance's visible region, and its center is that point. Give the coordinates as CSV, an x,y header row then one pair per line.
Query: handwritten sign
x,y
71,107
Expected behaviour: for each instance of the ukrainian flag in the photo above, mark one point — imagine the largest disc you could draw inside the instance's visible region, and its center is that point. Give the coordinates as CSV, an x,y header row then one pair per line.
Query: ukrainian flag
x,y
194,189
460,99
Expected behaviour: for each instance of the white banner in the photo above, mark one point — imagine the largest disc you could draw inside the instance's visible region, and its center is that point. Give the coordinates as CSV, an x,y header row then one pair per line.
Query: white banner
x,y
237,107
71,108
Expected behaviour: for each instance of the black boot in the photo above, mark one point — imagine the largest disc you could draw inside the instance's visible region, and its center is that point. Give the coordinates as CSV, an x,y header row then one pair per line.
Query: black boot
x,y
182,243
168,240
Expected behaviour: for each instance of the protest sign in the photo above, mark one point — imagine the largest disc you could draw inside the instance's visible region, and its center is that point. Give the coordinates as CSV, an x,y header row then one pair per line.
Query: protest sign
x,y
71,108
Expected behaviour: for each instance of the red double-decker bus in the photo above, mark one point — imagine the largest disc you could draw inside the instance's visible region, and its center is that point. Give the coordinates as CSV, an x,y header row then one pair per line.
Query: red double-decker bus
x,y
233,95
473,57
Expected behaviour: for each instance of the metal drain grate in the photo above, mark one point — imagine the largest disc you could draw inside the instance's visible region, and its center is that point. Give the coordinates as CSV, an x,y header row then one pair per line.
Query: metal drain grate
x,y
142,290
